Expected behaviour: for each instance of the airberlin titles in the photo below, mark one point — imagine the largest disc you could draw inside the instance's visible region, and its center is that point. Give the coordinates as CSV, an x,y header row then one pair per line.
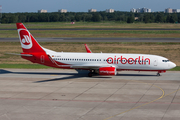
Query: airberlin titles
x,y
123,60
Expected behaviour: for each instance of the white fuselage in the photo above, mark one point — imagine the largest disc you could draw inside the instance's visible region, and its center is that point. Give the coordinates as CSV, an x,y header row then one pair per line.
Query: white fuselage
x,y
120,61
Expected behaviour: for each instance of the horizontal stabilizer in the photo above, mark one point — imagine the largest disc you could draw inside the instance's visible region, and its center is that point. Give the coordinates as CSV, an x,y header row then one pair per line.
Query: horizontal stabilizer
x,y
27,55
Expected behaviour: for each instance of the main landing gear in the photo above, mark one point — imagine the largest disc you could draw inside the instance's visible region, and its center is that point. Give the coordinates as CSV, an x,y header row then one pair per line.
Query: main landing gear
x,y
158,74
91,73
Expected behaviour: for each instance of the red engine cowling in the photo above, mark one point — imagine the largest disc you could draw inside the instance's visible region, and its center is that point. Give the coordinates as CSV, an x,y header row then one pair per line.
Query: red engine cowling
x,y
107,71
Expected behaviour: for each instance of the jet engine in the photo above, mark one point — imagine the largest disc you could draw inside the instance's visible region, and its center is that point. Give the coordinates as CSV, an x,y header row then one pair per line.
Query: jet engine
x,y
107,71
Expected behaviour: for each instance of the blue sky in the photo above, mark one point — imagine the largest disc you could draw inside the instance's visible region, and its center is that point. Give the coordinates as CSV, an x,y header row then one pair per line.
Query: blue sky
x,y
12,6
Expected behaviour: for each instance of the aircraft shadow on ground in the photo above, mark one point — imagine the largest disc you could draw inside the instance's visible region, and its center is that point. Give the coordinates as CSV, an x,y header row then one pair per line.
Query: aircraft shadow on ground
x,y
135,75
35,73
72,75
58,79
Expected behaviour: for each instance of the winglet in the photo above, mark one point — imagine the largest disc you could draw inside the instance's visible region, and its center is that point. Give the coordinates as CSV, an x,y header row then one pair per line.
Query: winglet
x,y
87,49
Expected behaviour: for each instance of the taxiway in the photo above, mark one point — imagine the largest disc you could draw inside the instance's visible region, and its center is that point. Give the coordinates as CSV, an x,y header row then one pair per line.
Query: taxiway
x,y
96,39
57,94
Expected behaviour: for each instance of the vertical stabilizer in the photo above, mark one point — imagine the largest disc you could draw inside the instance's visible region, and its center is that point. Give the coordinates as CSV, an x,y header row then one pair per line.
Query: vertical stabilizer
x,y
28,42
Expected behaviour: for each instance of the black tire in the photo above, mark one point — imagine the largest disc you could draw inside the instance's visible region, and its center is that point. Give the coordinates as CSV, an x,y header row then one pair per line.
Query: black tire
x,y
158,74
90,74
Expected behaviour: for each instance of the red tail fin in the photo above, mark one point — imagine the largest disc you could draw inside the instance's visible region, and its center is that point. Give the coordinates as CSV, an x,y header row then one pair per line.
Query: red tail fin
x,y
28,42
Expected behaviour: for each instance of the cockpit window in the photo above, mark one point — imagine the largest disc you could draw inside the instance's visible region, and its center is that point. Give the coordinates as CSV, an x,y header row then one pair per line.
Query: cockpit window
x,y
165,60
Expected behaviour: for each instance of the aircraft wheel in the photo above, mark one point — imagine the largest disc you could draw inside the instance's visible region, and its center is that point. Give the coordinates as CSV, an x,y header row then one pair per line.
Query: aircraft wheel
x,y
90,74
158,74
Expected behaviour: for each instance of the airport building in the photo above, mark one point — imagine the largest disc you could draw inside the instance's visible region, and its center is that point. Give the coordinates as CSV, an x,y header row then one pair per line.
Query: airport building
x,y
146,10
92,10
133,10
168,10
140,10
62,11
42,11
176,10
109,10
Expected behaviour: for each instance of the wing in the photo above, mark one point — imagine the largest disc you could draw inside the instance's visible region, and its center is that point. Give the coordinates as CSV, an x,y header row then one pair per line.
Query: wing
x,y
90,66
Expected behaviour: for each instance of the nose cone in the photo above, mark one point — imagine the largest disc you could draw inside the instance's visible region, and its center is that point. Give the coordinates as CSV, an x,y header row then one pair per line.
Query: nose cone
x,y
172,65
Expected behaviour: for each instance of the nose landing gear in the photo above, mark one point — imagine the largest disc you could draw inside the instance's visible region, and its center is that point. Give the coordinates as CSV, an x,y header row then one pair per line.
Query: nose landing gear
x,y
162,71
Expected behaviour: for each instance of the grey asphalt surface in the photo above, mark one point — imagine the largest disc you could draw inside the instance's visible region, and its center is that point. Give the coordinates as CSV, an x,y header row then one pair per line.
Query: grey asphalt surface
x,y
96,39
97,29
57,94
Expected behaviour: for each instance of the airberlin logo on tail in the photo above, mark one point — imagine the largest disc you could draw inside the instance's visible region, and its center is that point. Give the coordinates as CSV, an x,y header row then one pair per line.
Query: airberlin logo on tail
x,y
25,39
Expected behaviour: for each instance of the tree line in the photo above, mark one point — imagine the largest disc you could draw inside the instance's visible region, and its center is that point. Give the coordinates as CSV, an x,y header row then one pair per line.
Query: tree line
x,y
125,17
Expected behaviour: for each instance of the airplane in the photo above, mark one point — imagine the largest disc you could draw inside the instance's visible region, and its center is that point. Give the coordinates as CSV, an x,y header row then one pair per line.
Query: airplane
x,y
95,63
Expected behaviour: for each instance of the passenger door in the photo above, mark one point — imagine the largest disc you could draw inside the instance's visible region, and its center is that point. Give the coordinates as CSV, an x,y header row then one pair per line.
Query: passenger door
x,y
155,61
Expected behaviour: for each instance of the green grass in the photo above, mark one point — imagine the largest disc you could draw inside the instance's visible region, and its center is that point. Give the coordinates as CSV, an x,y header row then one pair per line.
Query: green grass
x,y
94,33
92,43
177,68
106,24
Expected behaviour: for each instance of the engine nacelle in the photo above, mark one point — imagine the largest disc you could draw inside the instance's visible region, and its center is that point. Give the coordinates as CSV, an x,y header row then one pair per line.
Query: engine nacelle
x,y
107,71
